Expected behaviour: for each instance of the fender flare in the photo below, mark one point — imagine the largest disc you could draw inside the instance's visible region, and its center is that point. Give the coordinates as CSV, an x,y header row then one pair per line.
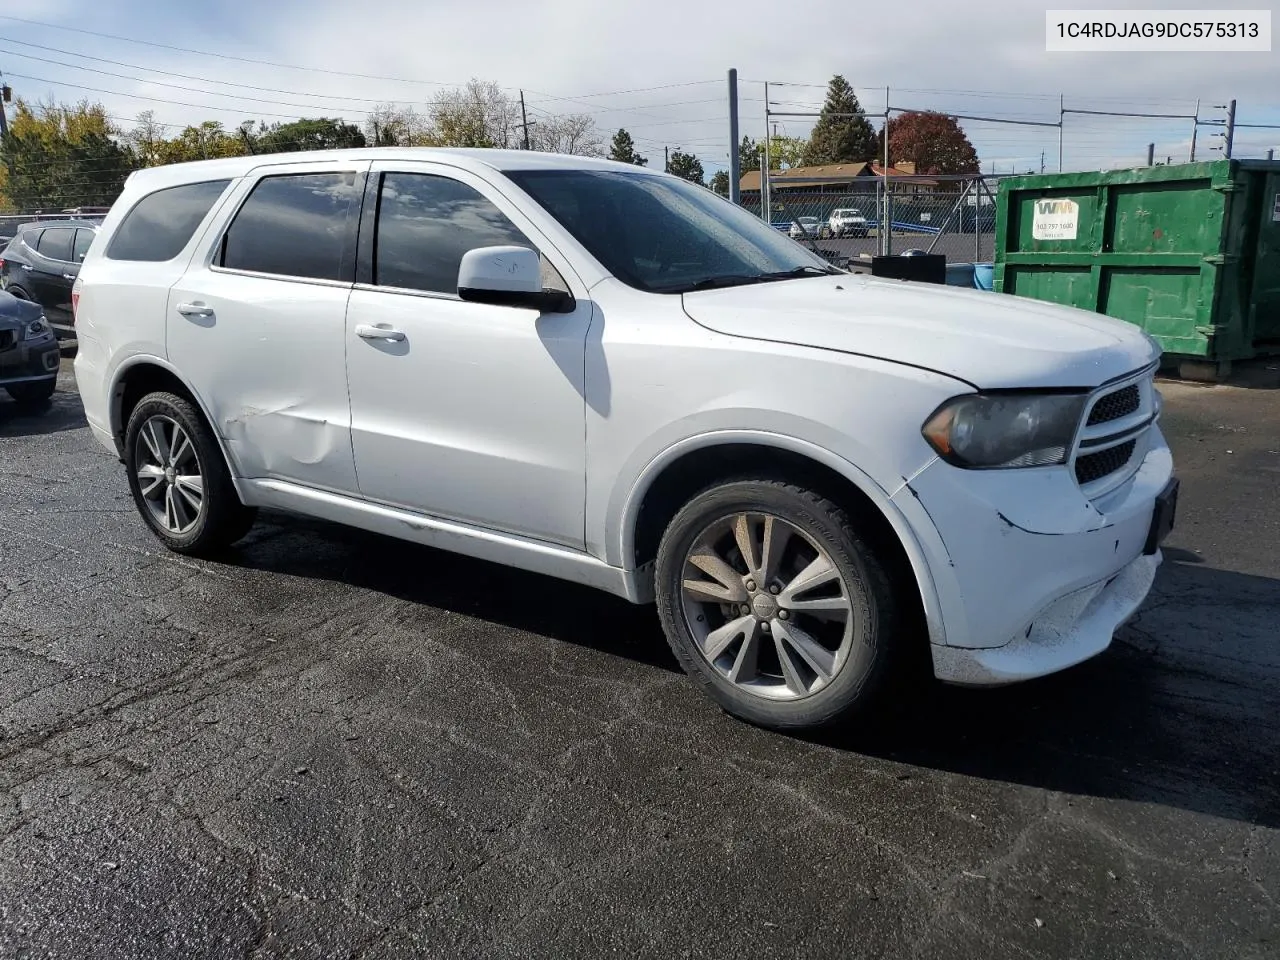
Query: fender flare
x,y
879,497
114,396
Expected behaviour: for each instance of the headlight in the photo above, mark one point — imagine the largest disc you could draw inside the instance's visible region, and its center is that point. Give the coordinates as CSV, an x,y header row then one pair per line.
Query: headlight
x,y
1005,429
36,328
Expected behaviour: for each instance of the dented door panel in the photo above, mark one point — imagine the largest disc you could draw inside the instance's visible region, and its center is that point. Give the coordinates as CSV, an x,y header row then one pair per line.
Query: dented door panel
x,y
271,367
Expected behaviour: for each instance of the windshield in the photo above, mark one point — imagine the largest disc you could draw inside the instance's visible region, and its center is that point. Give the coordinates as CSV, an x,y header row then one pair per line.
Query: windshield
x,y
664,235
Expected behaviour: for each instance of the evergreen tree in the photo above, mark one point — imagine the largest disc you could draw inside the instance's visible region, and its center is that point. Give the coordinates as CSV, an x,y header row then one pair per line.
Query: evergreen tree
x,y
840,139
686,166
623,149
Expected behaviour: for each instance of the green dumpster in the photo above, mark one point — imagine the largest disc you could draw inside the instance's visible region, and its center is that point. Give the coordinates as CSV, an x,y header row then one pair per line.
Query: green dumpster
x,y
1188,252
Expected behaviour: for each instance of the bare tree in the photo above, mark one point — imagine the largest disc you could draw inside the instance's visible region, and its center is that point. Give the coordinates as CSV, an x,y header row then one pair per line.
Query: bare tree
x,y
147,139
477,115
574,133
393,125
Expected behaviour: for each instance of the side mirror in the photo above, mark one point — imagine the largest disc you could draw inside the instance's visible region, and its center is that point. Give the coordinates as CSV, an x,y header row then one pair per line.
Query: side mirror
x,y
509,277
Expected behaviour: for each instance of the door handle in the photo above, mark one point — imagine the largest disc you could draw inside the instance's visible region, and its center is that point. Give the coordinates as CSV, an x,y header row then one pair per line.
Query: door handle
x,y
25,266
68,276
368,331
195,310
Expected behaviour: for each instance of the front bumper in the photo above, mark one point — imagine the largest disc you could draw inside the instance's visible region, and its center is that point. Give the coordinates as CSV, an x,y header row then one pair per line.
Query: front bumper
x,y
30,360
1068,631
1034,583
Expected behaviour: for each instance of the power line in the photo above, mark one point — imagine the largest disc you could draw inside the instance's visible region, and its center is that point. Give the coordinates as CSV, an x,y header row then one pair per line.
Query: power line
x,y
185,76
136,96
324,70
618,93
228,56
174,86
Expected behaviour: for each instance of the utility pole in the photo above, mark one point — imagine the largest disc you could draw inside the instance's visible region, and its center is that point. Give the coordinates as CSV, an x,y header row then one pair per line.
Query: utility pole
x,y
735,168
6,94
1151,154
1231,128
1042,161
1195,128
524,121
666,159
1062,113
1271,153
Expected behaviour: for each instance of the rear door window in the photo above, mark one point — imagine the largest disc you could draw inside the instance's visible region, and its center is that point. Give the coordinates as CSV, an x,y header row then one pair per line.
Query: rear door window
x,y
55,243
84,239
296,225
161,223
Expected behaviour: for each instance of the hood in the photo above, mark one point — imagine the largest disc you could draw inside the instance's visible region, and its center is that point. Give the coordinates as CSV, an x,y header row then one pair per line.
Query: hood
x,y
14,312
989,340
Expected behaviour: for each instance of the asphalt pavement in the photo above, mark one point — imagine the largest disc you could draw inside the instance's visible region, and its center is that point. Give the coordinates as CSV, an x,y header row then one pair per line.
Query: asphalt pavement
x,y
331,744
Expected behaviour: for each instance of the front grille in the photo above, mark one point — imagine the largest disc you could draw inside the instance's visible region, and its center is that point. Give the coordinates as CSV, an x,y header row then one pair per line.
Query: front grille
x,y
1113,406
7,339
1095,466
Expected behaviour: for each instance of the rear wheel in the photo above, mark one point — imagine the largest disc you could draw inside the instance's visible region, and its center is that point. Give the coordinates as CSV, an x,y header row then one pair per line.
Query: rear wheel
x,y
775,605
179,480
32,393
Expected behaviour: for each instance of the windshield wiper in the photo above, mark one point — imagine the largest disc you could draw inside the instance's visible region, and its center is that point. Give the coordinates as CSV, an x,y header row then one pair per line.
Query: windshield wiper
x,y
728,280
807,270
742,279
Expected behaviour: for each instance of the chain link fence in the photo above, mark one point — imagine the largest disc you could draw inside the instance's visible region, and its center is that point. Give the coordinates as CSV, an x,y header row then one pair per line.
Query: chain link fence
x,y
843,222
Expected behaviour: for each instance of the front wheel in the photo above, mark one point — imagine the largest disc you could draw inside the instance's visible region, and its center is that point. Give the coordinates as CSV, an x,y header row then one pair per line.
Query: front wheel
x,y
179,480
775,605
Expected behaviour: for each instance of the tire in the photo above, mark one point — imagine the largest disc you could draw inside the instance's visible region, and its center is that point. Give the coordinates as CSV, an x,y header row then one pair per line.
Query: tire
x,y
779,614
169,503
32,394
18,293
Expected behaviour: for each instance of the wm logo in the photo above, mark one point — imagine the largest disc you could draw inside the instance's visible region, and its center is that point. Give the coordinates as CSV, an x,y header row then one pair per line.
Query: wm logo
x,y
1044,207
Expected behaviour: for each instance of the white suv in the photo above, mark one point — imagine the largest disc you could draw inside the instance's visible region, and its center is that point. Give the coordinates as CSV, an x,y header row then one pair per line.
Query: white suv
x,y
609,375
848,222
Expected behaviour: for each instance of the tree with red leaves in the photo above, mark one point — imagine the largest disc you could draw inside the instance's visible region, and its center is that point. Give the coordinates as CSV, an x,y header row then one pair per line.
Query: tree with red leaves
x,y
932,141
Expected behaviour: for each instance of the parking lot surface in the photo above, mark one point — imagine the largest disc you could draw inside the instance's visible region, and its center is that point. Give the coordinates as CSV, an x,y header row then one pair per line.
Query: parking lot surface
x,y
330,744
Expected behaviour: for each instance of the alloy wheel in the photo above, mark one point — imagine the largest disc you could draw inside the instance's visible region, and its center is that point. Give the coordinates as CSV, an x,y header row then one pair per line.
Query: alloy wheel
x,y
169,476
767,607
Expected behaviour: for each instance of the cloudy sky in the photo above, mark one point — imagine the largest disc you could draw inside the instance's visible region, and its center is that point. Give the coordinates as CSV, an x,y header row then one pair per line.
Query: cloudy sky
x,y
656,68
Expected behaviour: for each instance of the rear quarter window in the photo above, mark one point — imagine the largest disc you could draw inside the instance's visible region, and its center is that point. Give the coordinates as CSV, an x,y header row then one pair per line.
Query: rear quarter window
x,y
160,224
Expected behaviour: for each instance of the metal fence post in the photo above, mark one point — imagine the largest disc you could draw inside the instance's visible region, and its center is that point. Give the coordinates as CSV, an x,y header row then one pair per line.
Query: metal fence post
x,y
977,210
735,172
887,241
765,212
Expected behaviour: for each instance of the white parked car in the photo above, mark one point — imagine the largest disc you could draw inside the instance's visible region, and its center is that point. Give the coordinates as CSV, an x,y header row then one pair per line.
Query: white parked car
x,y
848,222
806,228
611,376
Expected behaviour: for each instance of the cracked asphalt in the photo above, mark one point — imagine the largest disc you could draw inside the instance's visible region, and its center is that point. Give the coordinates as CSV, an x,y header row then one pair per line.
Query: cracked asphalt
x,y
331,744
